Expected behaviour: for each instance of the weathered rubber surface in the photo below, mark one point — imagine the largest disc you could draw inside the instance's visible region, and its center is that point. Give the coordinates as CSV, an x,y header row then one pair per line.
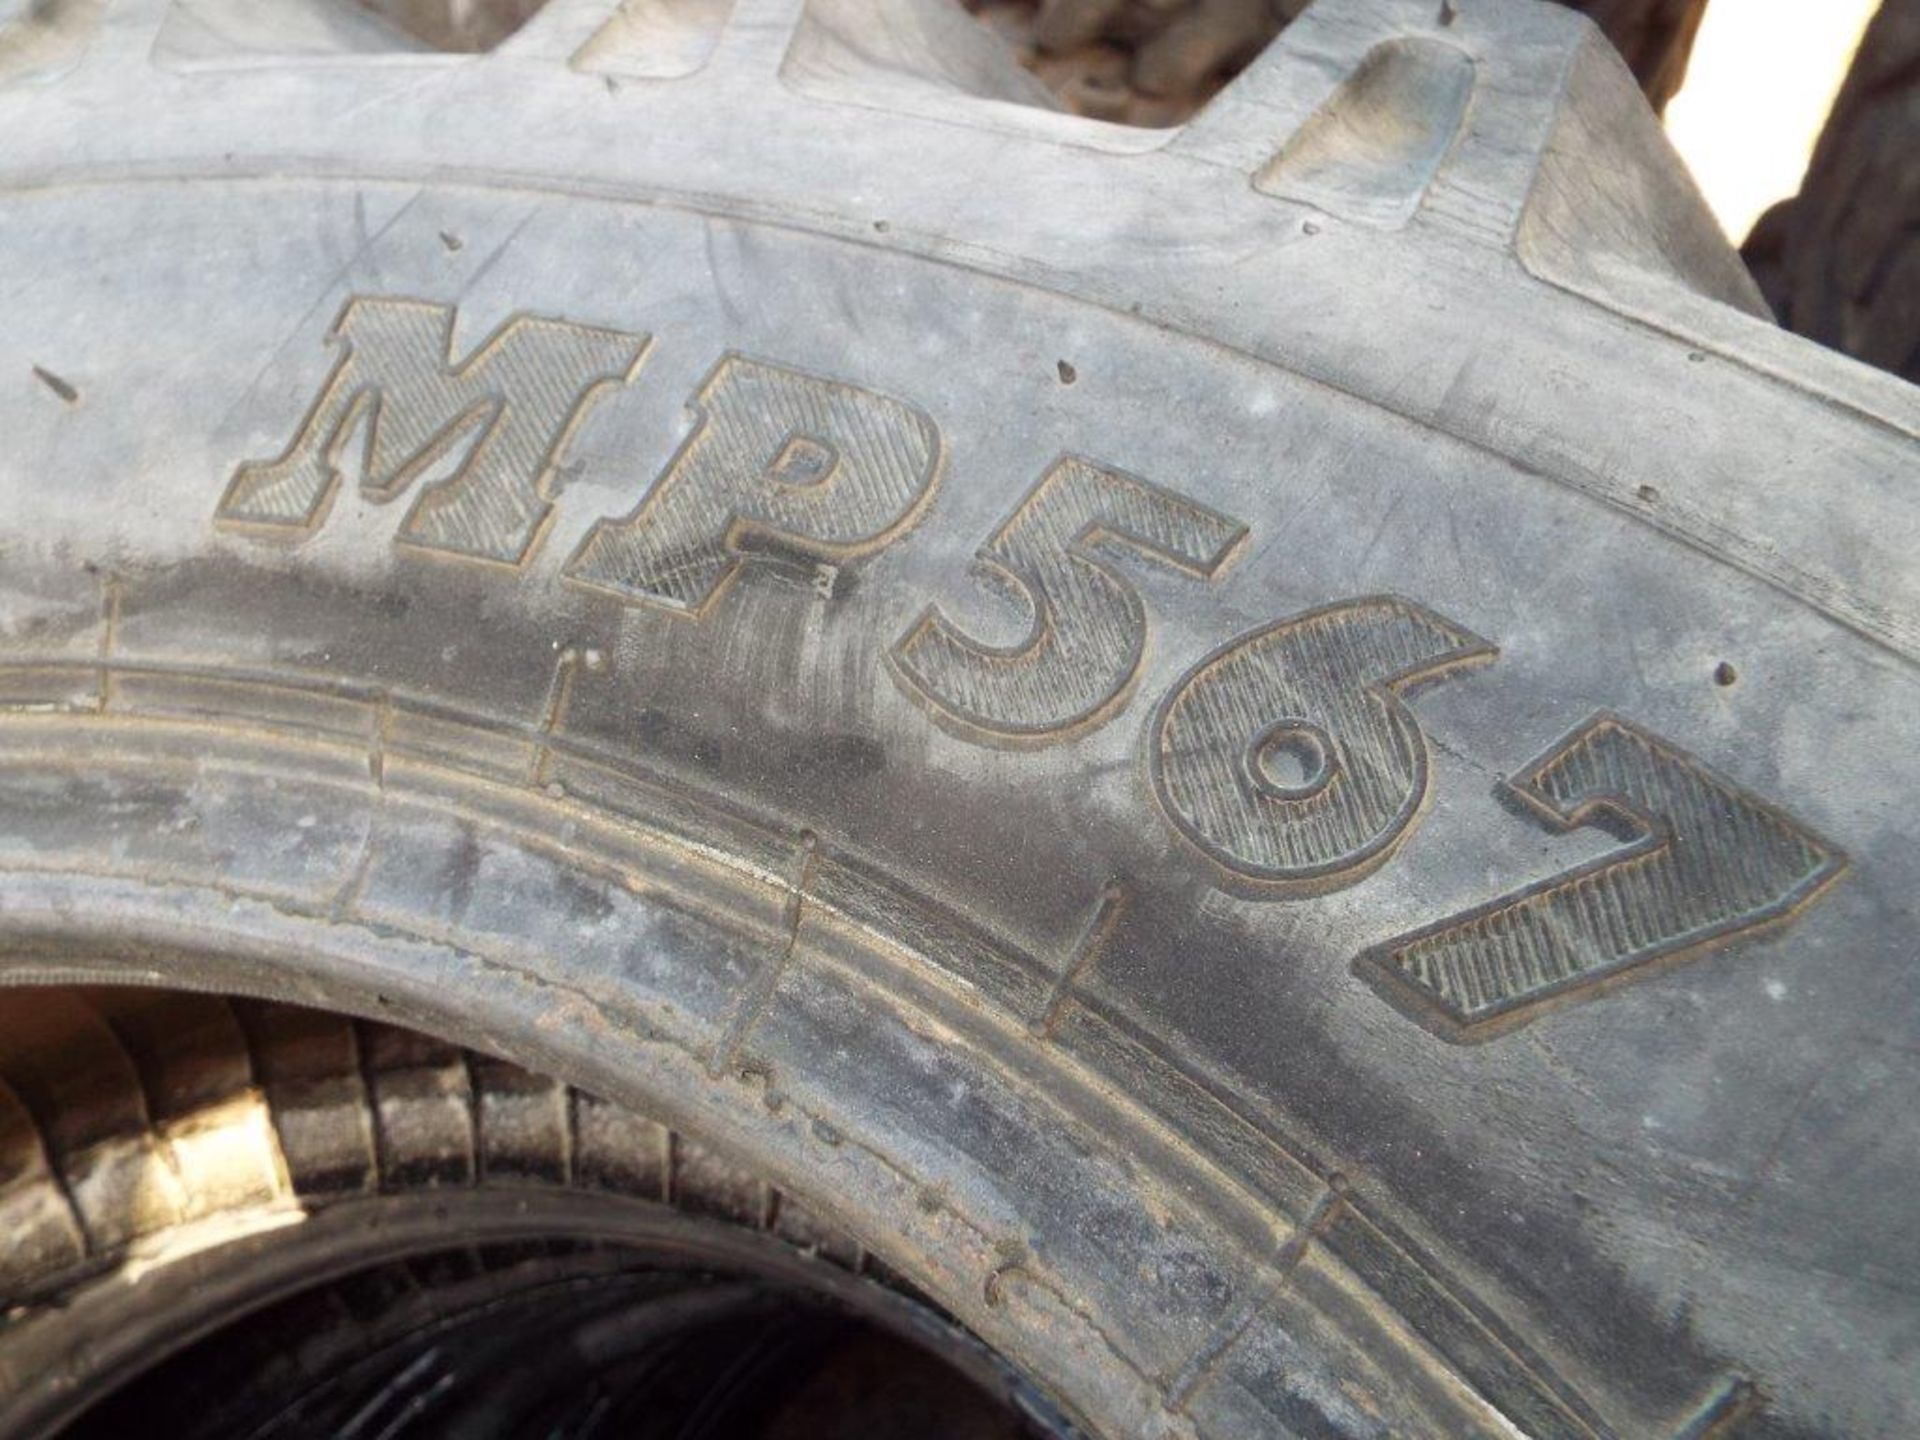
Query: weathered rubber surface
x,y
1276,760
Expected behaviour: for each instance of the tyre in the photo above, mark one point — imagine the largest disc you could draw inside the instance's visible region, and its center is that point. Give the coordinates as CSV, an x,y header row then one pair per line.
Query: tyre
x,y
1840,261
1654,37
282,1222
1266,765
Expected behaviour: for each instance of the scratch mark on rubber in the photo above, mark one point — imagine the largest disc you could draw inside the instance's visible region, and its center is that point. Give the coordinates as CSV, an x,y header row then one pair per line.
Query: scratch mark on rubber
x,y
758,992
559,696
498,252
110,591
346,900
1205,1362
379,739
1093,939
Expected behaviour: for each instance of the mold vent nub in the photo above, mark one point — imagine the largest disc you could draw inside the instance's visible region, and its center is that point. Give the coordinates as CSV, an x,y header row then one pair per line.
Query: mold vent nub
x,y
1372,148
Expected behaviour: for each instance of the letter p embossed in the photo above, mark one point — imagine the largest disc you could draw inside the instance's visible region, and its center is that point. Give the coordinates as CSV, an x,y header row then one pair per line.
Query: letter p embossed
x,y
780,461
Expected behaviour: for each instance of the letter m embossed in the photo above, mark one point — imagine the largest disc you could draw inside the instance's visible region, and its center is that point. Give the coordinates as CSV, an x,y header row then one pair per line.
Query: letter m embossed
x,y
511,404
